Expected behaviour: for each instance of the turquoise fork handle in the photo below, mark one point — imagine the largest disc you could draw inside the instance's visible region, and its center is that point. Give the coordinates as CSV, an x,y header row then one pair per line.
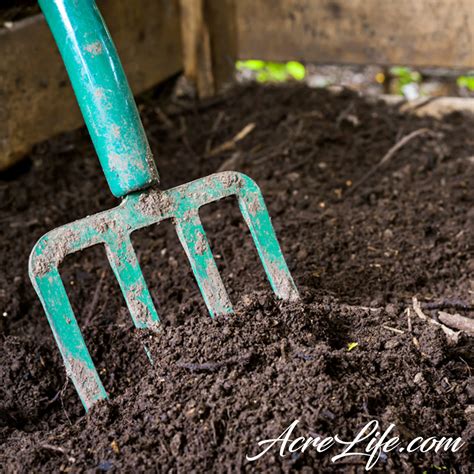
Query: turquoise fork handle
x,y
103,93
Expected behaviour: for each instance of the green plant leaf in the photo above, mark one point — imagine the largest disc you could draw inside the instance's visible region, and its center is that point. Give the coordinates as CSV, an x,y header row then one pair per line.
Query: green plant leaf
x,y
268,71
296,70
277,71
466,81
252,64
351,345
404,76
263,76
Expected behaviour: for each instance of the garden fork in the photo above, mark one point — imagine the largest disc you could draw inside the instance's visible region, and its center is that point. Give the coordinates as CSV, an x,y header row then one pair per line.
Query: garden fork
x,y
113,121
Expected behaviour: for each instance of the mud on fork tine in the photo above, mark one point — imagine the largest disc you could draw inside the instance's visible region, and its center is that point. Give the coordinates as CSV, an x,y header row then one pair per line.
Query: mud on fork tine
x,y
93,66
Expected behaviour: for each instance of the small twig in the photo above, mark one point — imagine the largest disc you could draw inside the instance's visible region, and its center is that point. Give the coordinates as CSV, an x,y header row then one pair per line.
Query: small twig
x,y
456,321
409,107
54,398
214,431
451,335
50,447
22,223
417,309
400,144
217,122
167,122
57,449
230,144
345,113
363,308
389,328
448,304
410,327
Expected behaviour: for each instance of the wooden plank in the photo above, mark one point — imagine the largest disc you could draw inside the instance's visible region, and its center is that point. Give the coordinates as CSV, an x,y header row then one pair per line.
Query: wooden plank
x,y
209,43
196,43
36,99
407,32
220,16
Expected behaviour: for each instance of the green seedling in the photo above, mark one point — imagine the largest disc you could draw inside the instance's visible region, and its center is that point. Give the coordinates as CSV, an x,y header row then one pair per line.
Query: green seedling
x,y
466,82
404,77
266,71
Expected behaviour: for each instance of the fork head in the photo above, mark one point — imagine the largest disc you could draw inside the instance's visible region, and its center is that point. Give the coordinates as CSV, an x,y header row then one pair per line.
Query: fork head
x,y
113,229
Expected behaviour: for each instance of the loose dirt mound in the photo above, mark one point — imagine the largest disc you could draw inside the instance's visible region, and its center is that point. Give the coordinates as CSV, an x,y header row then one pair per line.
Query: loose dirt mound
x,y
218,387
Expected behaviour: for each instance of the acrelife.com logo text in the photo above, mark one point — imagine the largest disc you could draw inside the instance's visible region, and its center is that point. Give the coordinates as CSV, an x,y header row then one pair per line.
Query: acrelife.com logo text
x,y
369,443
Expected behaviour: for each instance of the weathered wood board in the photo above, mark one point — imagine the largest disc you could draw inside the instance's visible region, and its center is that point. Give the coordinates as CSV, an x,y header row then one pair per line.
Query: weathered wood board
x,y
406,32
195,39
208,40
36,99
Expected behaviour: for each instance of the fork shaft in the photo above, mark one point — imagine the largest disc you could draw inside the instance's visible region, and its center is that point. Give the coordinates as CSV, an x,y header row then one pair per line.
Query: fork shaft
x,y
103,93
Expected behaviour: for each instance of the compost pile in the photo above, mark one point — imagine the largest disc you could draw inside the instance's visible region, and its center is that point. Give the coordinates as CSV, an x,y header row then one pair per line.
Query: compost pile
x,y
353,350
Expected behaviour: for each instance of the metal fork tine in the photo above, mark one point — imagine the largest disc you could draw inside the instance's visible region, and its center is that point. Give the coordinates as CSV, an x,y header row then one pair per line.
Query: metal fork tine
x,y
66,331
194,241
253,208
125,265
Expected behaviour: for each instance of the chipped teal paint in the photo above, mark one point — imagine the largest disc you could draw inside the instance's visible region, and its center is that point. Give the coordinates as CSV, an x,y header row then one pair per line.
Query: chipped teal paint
x,y
103,93
113,228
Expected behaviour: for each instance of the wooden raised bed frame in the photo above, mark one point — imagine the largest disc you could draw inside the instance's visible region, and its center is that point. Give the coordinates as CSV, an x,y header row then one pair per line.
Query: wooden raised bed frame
x,y
36,98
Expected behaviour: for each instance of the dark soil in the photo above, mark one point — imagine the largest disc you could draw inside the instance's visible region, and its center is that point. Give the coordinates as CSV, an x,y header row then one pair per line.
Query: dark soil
x,y
220,386
15,10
